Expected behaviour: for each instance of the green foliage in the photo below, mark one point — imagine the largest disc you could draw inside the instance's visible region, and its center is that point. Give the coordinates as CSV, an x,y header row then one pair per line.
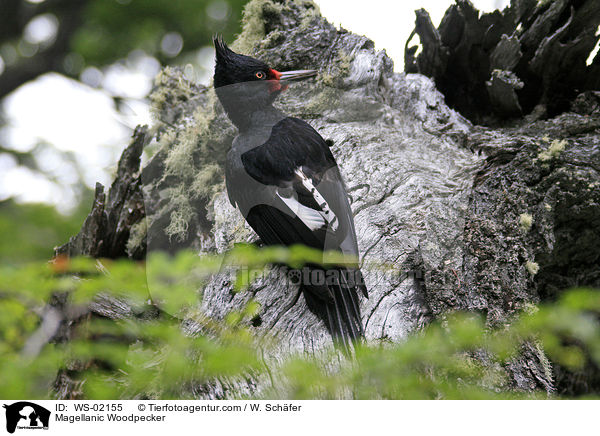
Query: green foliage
x,y
31,231
112,28
148,351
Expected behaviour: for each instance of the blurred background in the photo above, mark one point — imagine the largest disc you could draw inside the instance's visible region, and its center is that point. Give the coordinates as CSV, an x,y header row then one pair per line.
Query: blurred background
x,y
74,81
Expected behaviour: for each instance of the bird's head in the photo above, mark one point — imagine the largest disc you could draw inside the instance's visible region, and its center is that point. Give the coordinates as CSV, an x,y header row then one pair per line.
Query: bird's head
x,y
247,83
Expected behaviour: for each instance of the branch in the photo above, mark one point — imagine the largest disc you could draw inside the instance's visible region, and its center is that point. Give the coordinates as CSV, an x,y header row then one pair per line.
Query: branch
x,y
69,14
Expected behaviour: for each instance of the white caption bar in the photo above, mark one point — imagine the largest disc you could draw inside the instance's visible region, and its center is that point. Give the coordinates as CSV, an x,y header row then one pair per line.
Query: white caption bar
x,y
298,417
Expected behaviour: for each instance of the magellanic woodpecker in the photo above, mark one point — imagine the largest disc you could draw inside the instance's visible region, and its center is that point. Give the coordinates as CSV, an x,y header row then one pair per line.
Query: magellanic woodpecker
x,y
282,176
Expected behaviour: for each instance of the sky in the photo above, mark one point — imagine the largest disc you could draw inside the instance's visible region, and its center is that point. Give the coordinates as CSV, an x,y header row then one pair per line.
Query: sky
x,y
389,22
83,124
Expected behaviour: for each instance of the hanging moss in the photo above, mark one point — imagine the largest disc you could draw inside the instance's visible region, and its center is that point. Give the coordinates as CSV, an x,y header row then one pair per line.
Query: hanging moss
x,y
194,138
256,13
311,11
170,90
137,236
532,267
525,221
181,215
555,149
339,70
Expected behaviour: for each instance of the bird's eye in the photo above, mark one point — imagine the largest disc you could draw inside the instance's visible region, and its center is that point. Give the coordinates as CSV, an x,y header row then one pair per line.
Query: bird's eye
x,y
259,75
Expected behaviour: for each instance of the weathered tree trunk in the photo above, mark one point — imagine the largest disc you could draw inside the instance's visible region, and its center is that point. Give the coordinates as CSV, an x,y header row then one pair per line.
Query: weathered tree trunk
x,y
531,57
468,217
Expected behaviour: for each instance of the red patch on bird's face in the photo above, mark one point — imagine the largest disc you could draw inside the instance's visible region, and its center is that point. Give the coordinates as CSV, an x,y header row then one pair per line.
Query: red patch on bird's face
x,y
274,74
274,77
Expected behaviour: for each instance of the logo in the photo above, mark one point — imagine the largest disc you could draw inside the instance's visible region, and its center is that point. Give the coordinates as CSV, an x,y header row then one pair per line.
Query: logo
x,y
26,415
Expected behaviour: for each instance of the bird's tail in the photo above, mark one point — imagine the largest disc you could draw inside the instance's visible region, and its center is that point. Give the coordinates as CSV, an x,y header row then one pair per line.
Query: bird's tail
x,y
337,304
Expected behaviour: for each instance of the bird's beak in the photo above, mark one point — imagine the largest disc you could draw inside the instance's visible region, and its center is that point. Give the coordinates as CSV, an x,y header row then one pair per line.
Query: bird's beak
x,y
290,76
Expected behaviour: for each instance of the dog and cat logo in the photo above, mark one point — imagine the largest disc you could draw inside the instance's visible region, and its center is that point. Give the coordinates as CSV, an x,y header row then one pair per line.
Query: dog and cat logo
x,y
26,415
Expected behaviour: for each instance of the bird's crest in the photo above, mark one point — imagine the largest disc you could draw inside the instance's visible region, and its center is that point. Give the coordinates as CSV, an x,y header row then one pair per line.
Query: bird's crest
x,y
221,49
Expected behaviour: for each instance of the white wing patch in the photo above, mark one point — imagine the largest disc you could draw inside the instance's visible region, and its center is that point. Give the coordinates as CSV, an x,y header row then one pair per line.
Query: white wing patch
x,y
311,218
325,211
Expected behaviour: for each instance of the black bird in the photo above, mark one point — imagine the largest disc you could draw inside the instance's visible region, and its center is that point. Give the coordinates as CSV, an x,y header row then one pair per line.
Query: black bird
x,y
282,176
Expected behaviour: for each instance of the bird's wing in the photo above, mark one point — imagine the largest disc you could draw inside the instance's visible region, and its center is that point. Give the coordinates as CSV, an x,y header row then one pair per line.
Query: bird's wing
x,y
301,178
